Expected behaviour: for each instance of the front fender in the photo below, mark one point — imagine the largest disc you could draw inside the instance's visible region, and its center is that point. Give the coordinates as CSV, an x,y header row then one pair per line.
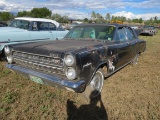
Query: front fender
x,y
91,61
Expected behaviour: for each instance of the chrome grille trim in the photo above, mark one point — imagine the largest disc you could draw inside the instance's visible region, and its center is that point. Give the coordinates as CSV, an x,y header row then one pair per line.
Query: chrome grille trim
x,y
32,54
45,64
39,67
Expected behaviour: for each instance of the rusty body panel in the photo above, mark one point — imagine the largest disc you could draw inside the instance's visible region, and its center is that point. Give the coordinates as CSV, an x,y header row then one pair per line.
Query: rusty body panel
x,y
110,54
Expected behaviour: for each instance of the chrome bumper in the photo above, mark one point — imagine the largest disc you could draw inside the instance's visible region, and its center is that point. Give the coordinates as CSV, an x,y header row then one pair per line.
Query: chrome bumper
x,y
147,32
77,86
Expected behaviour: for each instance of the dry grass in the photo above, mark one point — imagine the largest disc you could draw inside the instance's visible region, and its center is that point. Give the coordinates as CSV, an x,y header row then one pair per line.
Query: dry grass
x,y
133,93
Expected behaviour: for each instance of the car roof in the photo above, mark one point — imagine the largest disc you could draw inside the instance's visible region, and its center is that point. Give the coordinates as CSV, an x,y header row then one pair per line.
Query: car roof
x,y
103,24
38,19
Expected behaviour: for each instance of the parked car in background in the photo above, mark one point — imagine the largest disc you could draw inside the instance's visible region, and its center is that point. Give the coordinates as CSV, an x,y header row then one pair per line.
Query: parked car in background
x,y
25,29
3,24
70,26
137,29
80,61
149,30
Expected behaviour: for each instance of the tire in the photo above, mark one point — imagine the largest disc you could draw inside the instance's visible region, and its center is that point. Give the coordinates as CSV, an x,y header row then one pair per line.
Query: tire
x,y
2,56
135,60
93,90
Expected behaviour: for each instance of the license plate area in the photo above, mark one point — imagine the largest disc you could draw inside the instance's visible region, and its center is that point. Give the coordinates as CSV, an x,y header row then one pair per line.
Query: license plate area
x,y
36,79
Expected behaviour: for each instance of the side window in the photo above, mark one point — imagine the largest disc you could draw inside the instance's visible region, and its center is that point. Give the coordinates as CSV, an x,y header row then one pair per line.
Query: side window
x,y
89,33
20,24
121,34
76,33
129,34
43,26
34,26
52,26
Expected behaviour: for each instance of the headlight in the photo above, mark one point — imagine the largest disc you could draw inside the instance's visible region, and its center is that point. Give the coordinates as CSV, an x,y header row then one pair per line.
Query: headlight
x,y
7,50
10,59
71,73
69,60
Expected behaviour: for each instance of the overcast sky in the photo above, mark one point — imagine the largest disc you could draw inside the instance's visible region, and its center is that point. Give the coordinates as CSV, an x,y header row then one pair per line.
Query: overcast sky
x,y
83,8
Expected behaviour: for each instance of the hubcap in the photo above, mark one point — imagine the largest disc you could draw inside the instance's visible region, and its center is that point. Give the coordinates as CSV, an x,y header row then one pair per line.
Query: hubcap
x,y
96,84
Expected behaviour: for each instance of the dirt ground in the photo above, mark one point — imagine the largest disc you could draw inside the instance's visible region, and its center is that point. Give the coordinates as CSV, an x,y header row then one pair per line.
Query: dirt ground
x,y
133,93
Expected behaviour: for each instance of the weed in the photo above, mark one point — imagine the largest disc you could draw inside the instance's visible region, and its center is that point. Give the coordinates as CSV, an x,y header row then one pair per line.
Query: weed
x,y
9,98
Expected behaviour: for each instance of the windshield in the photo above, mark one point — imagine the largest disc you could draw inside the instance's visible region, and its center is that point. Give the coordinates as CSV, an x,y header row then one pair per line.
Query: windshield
x,y
152,27
93,32
22,24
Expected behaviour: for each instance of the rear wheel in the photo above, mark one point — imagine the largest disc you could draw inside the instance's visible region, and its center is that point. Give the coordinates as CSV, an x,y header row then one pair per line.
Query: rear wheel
x,y
94,88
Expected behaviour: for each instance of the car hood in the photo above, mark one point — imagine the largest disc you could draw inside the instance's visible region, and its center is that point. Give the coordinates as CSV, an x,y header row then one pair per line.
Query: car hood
x,y
59,46
10,29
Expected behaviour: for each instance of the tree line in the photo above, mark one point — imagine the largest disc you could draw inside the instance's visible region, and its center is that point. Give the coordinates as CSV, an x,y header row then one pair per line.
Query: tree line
x,y
98,18
35,12
95,17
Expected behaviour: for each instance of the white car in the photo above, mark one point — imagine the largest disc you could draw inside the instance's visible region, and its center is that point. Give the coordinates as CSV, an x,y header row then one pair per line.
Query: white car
x,y
25,29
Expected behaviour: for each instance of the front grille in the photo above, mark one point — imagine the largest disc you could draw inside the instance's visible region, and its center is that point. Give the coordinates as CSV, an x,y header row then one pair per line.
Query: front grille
x,y
42,63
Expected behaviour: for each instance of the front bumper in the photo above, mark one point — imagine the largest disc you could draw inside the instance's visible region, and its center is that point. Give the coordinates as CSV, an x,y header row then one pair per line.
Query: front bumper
x,y
77,86
149,32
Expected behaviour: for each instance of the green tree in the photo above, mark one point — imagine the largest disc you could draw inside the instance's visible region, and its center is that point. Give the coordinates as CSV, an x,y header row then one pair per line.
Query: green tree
x,y
93,16
113,17
86,20
59,18
40,12
99,18
23,14
65,19
108,17
129,20
123,19
140,20
135,20
155,19
56,17
5,16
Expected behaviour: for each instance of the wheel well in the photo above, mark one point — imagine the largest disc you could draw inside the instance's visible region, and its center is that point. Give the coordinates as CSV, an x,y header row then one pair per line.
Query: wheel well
x,y
104,68
139,53
2,55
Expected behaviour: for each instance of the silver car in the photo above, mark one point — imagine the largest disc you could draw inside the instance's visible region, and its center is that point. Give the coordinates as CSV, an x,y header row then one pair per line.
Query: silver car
x,y
149,30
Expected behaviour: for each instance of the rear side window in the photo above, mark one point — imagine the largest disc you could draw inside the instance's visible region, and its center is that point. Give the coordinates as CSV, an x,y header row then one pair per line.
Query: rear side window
x,y
43,26
129,33
121,36
52,26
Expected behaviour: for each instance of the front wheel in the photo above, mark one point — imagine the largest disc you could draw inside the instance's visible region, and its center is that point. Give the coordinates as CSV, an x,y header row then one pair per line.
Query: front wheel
x,y
94,88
